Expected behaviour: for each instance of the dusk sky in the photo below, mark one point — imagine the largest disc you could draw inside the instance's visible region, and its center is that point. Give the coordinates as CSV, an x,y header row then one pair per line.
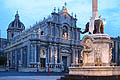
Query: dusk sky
x,y
31,11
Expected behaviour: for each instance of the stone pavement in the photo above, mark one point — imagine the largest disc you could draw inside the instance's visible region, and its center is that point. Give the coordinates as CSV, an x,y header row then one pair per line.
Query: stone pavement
x,y
30,76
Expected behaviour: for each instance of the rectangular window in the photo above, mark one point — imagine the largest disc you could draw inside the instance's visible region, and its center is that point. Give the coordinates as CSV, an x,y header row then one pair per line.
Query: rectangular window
x,y
113,52
119,54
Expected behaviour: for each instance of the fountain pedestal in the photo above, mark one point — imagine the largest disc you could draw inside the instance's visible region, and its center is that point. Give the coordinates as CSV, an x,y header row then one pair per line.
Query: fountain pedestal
x,y
96,57
96,60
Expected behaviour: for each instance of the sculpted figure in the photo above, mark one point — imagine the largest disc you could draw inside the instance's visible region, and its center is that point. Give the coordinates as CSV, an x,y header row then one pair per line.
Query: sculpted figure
x,y
98,27
98,57
87,48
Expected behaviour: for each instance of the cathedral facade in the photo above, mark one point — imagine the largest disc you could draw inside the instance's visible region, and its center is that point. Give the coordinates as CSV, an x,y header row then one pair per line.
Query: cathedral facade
x,y
53,43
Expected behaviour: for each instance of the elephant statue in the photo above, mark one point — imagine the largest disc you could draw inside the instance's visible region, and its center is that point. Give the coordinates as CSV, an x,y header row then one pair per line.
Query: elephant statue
x,y
98,27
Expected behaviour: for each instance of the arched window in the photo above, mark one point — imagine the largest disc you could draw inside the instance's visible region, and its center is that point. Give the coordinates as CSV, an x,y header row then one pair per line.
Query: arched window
x,y
42,32
42,52
65,32
12,35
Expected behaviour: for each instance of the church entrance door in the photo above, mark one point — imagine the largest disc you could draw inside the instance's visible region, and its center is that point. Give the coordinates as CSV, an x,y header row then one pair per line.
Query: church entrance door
x,y
42,61
64,60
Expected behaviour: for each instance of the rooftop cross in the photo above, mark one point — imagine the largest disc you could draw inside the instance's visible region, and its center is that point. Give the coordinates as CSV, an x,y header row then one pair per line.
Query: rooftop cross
x,y
17,12
17,15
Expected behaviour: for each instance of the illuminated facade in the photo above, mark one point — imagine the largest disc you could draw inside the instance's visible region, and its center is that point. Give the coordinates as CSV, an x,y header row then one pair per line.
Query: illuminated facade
x,y
53,43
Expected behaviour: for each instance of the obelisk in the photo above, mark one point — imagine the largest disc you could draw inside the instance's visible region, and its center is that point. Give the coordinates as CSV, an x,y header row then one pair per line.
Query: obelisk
x,y
94,15
94,9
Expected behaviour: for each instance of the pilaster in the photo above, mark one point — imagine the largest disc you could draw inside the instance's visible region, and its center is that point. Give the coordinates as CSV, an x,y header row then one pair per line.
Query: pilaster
x,y
35,53
28,55
73,56
76,58
55,55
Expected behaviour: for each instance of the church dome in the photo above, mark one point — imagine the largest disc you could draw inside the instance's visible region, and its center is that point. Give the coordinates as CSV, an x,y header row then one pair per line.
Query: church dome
x,y
16,23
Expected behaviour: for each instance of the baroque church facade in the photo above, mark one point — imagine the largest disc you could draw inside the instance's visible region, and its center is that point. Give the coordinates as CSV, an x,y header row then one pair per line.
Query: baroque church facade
x,y
53,43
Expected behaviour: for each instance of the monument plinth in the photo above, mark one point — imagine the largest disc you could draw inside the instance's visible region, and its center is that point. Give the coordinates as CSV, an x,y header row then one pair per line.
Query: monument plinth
x,y
97,50
96,60
96,57
95,71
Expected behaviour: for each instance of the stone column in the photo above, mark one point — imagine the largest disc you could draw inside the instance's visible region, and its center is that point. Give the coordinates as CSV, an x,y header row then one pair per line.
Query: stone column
x,y
21,55
11,59
15,58
38,53
116,52
7,54
76,34
72,34
53,55
73,56
76,56
55,50
35,52
32,53
47,55
28,55
8,58
50,54
20,59
55,31
59,55
50,30
59,32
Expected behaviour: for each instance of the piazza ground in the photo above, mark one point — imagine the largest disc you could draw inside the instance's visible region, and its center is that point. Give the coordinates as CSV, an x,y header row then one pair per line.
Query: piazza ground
x,y
30,76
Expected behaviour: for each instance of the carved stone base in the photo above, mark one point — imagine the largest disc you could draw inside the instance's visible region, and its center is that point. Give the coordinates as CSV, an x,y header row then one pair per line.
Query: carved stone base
x,y
95,70
81,77
97,50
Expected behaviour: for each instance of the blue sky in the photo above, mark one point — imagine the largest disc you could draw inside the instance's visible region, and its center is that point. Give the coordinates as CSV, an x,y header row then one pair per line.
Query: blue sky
x,y
31,11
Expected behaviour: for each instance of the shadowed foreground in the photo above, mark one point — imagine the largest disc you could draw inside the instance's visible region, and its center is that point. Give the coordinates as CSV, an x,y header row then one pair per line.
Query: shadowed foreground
x,y
80,77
